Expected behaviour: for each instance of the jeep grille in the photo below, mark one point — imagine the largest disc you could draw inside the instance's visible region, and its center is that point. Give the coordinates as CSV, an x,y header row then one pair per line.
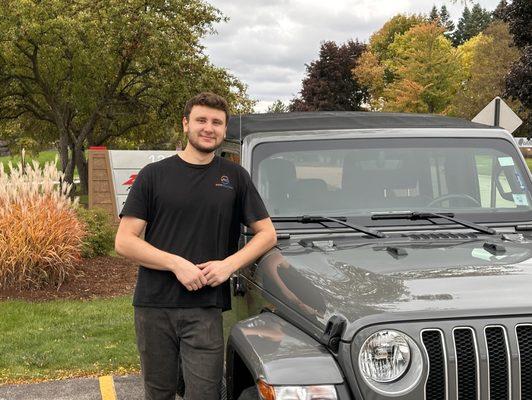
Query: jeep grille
x,y
466,350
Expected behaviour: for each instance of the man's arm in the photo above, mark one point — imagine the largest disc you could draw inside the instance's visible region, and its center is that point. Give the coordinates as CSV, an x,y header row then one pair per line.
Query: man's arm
x,y
264,239
129,244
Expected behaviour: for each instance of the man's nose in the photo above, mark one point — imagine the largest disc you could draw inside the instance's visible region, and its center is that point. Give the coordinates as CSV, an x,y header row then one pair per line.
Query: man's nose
x,y
209,126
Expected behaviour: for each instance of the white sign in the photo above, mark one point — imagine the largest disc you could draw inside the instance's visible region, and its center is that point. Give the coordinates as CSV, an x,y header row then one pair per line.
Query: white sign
x,y
523,141
507,118
126,164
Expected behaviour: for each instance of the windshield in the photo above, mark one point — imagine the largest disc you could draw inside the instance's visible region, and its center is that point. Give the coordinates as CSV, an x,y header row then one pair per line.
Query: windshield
x,y
482,178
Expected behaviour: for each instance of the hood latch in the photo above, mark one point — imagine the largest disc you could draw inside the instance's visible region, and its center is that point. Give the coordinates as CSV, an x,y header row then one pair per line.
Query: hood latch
x,y
333,332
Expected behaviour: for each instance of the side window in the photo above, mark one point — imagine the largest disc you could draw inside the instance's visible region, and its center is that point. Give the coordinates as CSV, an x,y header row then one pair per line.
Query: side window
x,y
495,189
231,156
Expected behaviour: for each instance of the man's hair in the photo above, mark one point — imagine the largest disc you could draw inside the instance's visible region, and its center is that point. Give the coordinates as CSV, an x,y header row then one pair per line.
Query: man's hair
x,y
207,99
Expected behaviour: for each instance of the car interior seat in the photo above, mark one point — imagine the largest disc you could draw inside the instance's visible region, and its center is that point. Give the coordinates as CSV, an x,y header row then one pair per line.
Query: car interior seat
x,y
362,187
277,178
310,195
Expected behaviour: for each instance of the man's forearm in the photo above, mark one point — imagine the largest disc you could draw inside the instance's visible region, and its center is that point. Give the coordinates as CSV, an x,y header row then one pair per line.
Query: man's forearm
x,y
140,251
259,244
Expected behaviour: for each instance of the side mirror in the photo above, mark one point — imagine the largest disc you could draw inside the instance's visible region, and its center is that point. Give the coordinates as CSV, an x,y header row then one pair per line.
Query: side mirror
x,y
238,285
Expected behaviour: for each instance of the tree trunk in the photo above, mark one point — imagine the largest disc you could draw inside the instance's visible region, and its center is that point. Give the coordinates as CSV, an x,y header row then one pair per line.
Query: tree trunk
x,y
83,170
65,144
69,172
62,148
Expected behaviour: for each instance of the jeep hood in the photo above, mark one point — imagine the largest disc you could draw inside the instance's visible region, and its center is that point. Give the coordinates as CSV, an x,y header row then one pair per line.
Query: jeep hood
x,y
358,279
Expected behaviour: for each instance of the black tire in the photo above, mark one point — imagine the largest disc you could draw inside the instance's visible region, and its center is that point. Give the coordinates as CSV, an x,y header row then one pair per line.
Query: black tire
x,y
249,394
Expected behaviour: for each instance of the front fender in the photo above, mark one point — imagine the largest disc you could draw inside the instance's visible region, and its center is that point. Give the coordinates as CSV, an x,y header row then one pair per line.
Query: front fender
x,y
280,354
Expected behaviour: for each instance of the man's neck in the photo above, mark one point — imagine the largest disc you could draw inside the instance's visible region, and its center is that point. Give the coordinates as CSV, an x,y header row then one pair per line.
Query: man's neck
x,y
193,156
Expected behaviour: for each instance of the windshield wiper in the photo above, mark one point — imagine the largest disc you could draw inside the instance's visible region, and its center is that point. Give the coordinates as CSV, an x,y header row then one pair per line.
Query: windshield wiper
x,y
309,219
413,216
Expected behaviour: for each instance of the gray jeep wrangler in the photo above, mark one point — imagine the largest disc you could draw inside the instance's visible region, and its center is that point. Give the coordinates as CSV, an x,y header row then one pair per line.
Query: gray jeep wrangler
x,y
403,268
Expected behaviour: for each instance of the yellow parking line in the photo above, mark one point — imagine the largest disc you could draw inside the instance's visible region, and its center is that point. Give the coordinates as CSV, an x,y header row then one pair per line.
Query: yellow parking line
x,y
107,388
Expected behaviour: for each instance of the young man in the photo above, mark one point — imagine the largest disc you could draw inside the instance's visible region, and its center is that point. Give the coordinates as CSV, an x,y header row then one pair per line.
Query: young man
x,y
192,205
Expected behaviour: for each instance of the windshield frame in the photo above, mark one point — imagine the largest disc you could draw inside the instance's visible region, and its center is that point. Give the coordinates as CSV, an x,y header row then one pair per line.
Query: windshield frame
x,y
251,142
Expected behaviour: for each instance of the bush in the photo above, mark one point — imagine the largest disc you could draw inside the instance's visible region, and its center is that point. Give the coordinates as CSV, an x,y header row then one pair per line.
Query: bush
x,y
40,235
100,232
26,144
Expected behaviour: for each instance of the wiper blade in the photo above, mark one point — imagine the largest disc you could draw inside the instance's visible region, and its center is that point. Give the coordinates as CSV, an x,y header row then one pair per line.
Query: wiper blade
x,y
413,215
309,219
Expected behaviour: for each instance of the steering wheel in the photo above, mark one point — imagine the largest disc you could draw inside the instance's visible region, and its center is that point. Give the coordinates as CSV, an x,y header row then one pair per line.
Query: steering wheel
x,y
472,200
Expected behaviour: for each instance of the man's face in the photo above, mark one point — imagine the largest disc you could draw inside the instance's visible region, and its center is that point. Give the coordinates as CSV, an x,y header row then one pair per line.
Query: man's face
x,y
205,128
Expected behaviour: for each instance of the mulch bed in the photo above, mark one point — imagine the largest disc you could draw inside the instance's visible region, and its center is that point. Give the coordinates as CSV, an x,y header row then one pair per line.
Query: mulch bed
x,y
99,277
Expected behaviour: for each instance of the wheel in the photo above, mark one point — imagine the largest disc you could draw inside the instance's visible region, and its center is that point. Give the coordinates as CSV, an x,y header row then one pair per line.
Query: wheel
x,y
249,394
437,200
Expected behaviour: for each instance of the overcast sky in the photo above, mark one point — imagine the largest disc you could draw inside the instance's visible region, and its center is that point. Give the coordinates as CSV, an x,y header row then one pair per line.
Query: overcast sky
x,y
266,43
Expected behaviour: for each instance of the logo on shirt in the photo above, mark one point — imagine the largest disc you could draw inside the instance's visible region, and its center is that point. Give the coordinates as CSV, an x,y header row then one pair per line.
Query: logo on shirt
x,y
224,182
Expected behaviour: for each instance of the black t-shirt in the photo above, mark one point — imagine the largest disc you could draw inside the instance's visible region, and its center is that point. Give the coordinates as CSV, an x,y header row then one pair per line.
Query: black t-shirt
x,y
195,212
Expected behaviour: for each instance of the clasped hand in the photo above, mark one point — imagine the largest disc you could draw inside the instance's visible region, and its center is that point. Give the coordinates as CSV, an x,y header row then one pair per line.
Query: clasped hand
x,y
212,273
216,272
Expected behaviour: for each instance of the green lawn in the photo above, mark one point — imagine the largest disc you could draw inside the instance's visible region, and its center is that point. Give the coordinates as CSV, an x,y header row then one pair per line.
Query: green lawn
x,y
484,164
60,339
43,157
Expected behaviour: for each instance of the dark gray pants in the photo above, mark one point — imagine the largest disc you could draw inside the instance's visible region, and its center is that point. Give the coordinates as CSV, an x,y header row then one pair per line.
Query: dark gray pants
x,y
193,335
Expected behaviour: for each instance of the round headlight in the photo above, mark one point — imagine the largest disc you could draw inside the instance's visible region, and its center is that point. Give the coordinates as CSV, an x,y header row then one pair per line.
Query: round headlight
x,y
384,356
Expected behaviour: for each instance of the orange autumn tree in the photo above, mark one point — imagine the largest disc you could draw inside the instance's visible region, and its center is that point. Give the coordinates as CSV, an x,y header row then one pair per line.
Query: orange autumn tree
x,y
372,69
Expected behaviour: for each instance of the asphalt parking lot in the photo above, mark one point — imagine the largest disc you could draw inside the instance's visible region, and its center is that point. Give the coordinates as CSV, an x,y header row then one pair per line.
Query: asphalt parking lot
x,y
108,388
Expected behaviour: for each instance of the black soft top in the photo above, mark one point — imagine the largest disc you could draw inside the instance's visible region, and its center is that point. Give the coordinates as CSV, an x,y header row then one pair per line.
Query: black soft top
x,y
241,126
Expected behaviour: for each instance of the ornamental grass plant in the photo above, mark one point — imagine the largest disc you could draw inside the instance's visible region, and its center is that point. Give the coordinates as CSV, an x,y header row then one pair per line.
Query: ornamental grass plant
x,y
40,235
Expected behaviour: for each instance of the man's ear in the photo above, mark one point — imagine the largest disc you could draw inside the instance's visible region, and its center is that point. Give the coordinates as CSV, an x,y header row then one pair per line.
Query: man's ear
x,y
185,124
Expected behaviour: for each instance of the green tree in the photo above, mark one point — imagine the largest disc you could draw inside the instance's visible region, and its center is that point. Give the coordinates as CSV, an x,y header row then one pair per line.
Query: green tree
x,y
487,59
25,130
329,84
434,16
446,22
468,50
500,11
459,36
277,107
443,18
471,23
381,40
518,14
519,79
98,70
427,70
